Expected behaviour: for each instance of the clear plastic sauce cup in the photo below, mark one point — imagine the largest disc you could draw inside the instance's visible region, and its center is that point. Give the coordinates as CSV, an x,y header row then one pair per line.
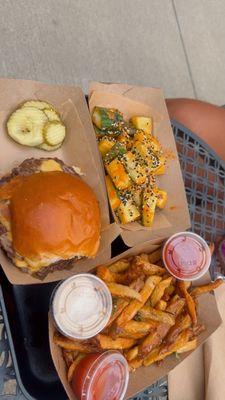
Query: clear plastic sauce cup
x,y
81,306
186,256
101,377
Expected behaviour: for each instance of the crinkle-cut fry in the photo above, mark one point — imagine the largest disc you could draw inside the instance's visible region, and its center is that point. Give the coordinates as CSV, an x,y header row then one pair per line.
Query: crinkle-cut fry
x,y
69,356
75,345
181,340
123,291
107,343
149,313
182,322
131,353
155,256
73,366
189,301
176,305
197,291
153,339
158,292
134,306
188,346
119,266
161,305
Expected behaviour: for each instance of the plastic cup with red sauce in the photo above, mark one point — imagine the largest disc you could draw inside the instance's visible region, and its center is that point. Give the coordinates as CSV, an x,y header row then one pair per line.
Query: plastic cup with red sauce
x,y
186,256
81,307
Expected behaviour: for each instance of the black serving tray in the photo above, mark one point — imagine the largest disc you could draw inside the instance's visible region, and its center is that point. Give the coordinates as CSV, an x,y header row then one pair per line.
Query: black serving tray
x,y
25,311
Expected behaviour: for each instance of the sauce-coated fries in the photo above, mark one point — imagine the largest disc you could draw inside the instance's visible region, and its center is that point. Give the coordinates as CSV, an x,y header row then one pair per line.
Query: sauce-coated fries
x,y
153,316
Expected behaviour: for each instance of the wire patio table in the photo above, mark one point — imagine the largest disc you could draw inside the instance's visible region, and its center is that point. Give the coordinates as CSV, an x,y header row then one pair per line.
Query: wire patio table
x,y
204,178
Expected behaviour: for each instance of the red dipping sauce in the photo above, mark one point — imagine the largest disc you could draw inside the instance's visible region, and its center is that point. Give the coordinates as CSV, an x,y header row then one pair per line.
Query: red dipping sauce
x,y
101,377
186,256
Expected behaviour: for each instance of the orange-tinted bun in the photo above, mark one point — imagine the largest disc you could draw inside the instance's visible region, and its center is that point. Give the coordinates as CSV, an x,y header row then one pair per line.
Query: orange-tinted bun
x,y
54,213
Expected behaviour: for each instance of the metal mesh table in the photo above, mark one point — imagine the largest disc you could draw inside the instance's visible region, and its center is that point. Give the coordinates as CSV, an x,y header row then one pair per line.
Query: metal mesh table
x,y
204,178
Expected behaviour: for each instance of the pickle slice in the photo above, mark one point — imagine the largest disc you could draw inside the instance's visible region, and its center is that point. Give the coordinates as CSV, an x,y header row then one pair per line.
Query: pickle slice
x,y
41,105
52,115
54,133
25,126
46,147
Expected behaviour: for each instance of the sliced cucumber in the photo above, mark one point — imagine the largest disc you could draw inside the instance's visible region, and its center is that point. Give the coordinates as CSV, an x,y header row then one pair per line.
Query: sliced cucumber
x,y
25,126
54,133
41,105
52,115
46,147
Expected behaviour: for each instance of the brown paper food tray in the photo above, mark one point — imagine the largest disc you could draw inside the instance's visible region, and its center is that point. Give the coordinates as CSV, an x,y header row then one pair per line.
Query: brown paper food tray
x,y
79,149
136,100
145,376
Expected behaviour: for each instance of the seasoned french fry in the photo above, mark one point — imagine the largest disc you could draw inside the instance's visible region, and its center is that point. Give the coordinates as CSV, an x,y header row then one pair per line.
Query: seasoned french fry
x,y
119,266
182,322
161,305
75,345
148,313
69,356
105,274
141,328
181,340
123,291
118,307
153,339
131,353
155,256
134,306
189,300
163,351
158,292
206,288
176,305
148,269
107,343
152,356
169,290
197,329
73,366
135,364
188,346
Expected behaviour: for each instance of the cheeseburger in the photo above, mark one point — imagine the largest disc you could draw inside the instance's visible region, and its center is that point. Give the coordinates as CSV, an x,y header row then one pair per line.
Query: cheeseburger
x,y
49,217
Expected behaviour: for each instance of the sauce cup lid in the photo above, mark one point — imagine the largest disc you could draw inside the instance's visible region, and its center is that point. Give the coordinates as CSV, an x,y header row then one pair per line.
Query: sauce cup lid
x,y
107,378
186,256
81,306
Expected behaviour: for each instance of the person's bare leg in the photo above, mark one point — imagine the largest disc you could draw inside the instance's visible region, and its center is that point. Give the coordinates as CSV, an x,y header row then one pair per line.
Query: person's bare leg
x,y
204,119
